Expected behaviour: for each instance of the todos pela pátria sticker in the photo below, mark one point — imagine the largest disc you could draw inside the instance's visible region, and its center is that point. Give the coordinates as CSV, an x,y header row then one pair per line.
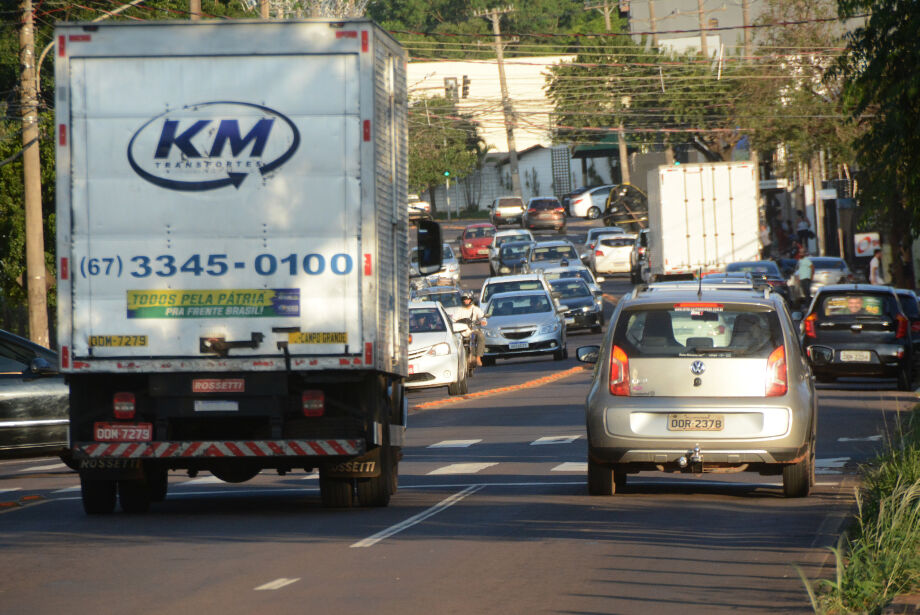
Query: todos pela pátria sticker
x,y
218,303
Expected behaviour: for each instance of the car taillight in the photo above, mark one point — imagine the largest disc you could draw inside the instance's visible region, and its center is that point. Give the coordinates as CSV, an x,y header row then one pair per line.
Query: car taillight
x,y
902,326
123,405
314,403
810,325
776,372
619,372
559,210
641,251
598,253
531,211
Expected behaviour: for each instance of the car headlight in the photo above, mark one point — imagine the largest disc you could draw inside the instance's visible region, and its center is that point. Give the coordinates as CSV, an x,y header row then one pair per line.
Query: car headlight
x,y
490,332
548,329
439,350
504,270
467,245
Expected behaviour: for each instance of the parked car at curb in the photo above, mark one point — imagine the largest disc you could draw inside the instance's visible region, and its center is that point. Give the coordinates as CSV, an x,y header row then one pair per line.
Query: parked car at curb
x,y
859,330
34,399
524,323
695,379
437,356
506,210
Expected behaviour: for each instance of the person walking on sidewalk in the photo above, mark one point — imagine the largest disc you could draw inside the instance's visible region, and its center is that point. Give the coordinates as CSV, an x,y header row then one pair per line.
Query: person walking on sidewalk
x,y
876,273
805,273
765,242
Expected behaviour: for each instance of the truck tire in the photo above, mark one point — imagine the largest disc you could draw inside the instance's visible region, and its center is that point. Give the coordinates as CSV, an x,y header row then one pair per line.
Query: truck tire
x,y
798,478
134,496
98,496
158,479
336,492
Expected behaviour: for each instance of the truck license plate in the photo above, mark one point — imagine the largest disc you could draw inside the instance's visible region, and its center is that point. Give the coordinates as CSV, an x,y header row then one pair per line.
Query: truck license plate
x,y
856,356
518,345
696,422
123,432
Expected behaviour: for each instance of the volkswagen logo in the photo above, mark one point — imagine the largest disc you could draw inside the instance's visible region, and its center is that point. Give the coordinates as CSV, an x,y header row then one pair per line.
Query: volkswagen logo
x,y
697,368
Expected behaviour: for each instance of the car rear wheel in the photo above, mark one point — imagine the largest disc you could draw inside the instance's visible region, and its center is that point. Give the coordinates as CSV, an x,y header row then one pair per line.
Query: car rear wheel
x,y
594,213
798,478
604,480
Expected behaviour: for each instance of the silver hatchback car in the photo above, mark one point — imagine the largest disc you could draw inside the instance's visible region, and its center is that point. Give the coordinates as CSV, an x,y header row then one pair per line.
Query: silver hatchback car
x,y
700,378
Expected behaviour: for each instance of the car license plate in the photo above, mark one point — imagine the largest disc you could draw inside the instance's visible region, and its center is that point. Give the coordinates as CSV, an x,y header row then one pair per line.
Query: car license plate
x,y
570,321
856,356
123,432
696,422
518,345
486,251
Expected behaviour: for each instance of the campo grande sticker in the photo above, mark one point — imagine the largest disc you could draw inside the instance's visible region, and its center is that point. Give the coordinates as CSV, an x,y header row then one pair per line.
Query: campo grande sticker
x,y
218,303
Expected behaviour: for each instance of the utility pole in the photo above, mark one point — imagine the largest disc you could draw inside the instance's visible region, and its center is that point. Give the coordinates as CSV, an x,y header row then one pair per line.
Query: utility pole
x,y
264,9
746,16
703,46
194,9
603,7
32,182
495,15
653,23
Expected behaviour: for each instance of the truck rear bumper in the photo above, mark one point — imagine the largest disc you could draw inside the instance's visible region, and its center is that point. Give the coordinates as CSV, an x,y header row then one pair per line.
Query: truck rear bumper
x,y
220,449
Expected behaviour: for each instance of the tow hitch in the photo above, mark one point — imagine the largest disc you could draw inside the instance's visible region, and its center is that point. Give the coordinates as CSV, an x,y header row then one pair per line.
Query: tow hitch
x,y
693,465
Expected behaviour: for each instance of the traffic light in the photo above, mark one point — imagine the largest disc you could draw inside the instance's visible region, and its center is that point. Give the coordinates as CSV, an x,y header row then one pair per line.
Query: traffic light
x,y
446,173
466,86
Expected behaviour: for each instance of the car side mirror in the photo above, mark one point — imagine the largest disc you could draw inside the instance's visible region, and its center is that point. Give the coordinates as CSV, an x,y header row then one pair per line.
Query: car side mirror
x,y
562,308
588,354
42,367
429,247
461,327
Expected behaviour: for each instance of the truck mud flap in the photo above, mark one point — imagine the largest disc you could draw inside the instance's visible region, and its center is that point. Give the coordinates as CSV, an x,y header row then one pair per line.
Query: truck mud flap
x,y
109,468
365,466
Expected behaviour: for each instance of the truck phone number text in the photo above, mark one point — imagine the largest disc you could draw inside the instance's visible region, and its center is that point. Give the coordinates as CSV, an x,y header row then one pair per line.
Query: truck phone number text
x,y
216,265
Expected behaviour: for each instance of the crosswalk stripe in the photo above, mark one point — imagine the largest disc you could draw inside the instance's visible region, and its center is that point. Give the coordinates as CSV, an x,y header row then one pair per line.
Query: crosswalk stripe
x,y
276,584
56,466
462,468
571,466
454,443
554,440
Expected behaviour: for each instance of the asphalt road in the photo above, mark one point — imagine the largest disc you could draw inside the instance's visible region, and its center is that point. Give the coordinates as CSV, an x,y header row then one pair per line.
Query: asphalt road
x,y
492,516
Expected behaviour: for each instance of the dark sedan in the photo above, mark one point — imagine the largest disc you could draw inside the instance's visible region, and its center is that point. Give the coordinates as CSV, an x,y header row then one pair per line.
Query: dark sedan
x,y
767,271
858,330
512,257
584,309
34,399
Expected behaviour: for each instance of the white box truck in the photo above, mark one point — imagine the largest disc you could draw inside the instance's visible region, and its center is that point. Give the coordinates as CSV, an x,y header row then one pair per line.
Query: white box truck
x,y
701,217
232,244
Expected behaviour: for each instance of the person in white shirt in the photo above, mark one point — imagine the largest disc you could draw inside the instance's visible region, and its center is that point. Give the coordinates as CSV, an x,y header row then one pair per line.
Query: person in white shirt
x,y
876,273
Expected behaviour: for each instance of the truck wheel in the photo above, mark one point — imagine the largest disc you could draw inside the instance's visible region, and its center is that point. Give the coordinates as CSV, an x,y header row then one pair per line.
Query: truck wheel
x,y
98,496
134,496
158,479
799,477
336,492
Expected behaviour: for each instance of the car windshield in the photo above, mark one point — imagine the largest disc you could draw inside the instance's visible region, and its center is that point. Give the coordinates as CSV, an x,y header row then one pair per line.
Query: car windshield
x,y
425,320
522,304
595,232
509,287
856,305
515,250
571,287
617,242
478,232
909,305
829,263
553,253
579,273
765,267
451,299
691,329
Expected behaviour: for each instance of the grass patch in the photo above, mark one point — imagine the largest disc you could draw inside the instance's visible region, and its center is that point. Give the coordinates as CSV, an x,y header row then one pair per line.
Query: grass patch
x,y
879,556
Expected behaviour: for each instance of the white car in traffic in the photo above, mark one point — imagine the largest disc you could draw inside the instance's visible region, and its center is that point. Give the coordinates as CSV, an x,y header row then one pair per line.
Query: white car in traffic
x,y
612,253
437,356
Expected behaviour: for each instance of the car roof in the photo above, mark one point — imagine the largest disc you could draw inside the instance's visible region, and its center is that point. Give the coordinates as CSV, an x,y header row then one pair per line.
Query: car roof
x,y
521,277
517,293
423,304
542,198
745,263
512,231
431,290
575,267
480,224
616,236
554,243
855,287
599,230
708,295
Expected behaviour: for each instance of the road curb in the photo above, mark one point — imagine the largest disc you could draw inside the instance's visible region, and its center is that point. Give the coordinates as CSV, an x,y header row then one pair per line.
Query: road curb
x,y
489,392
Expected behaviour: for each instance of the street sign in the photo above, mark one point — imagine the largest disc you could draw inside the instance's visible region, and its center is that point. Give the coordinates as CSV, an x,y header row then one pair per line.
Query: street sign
x,y
865,244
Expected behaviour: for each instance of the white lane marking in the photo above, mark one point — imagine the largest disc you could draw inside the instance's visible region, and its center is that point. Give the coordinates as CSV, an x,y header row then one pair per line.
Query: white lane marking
x,y
311,476
444,504
831,465
68,489
462,468
868,439
571,466
554,440
56,466
10,489
455,443
204,480
276,584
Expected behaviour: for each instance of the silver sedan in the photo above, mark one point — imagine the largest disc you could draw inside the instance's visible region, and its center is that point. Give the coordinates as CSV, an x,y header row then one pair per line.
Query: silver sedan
x,y
524,324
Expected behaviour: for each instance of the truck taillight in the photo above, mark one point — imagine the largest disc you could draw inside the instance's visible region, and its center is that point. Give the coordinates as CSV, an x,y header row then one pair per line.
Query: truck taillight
x,y
123,405
619,372
776,373
314,403
809,323
902,326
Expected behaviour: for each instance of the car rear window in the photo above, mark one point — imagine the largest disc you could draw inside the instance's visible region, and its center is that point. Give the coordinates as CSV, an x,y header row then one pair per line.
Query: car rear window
x,y
766,267
856,305
511,202
514,251
697,329
618,242
509,287
553,253
544,204
425,320
829,263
